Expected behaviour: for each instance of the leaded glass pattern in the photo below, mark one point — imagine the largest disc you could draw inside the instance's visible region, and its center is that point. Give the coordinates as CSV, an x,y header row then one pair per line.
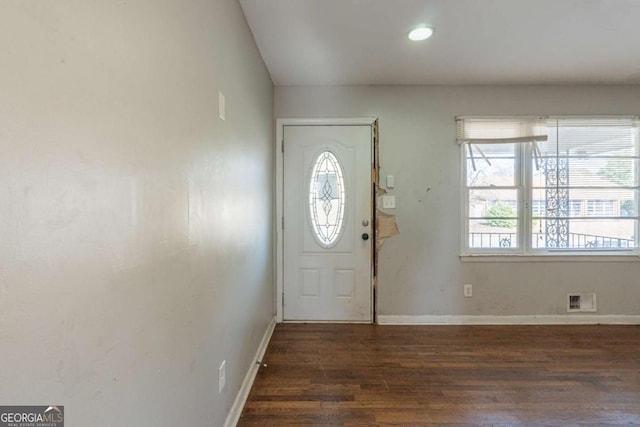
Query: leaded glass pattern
x,y
327,198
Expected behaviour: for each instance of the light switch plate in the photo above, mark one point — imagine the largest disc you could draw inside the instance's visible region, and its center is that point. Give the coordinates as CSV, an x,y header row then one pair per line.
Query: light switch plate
x,y
222,106
222,376
388,202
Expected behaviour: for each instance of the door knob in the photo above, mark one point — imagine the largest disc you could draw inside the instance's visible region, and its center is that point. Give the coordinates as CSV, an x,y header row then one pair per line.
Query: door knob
x,y
365,236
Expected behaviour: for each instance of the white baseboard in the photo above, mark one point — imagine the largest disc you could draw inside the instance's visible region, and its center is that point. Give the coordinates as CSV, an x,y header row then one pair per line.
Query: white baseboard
x,y
245,388
570,319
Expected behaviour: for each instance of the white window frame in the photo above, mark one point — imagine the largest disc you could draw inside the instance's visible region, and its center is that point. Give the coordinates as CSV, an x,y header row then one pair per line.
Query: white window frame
x,y
523,171
519,186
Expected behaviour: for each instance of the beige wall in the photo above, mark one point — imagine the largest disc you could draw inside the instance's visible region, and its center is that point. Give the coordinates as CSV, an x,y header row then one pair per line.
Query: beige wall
x,y
136,234
420,270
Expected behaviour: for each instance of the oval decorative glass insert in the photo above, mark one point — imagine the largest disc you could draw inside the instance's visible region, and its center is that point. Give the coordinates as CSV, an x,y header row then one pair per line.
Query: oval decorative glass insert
x,y
327,198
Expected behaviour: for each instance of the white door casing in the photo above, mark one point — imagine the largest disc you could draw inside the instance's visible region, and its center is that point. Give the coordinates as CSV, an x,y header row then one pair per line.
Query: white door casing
x,y
326,272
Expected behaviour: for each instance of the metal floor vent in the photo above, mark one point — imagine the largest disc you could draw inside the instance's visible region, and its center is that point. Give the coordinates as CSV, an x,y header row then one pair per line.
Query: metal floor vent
x,y
581,302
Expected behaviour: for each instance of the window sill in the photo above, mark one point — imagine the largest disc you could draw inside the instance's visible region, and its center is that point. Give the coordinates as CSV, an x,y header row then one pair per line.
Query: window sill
x,y
583,257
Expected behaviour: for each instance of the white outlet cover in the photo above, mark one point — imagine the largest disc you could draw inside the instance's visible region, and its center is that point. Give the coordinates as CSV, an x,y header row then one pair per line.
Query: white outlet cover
x,y
468,291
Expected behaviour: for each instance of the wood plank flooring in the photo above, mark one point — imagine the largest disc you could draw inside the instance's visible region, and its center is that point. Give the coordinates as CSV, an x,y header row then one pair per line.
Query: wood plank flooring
x,y
371,375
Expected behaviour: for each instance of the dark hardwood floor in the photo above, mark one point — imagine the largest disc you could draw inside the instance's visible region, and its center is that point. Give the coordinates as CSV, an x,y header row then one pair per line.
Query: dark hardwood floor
x,y
368,375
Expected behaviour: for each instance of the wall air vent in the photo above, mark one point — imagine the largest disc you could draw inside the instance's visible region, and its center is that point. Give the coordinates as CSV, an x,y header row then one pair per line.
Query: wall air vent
x,y
581,303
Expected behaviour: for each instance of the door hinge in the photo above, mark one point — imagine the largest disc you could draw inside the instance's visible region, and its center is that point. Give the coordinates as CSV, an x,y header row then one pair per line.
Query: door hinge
x,y
282,146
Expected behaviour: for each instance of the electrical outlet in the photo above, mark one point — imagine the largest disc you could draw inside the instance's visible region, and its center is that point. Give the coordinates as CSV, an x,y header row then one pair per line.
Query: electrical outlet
x,y
222,376
468,291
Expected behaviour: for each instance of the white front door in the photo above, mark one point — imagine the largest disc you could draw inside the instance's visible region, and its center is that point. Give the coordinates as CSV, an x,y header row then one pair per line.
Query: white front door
x,y
327,223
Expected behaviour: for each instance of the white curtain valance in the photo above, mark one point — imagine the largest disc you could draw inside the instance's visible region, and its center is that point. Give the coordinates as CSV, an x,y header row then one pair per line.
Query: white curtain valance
x,y
477,130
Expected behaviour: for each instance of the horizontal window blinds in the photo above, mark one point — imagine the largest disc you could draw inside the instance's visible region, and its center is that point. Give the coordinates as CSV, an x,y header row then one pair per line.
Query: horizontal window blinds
x,y
501,129
599,152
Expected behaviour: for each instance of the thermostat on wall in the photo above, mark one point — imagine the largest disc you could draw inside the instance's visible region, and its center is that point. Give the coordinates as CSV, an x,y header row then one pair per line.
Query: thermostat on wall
x,y
390,181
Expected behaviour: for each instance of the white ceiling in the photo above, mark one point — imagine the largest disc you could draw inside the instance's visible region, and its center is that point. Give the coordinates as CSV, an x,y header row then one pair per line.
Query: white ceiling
x,y
364,42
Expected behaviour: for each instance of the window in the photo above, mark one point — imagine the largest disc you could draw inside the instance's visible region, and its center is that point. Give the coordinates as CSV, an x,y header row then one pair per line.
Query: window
x,y
569,188
492,193
327,199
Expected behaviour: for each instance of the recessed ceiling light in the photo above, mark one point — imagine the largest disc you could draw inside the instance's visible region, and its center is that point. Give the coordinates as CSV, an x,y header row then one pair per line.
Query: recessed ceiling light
x,y
420,33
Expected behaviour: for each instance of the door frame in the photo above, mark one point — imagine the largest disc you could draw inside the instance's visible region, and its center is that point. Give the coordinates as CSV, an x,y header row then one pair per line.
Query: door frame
x,y
279,209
